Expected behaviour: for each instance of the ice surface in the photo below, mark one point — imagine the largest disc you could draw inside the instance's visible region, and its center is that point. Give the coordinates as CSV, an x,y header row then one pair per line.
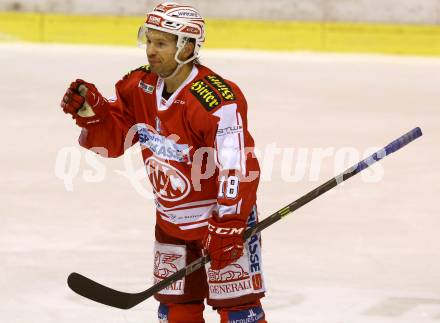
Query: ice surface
x,y
364,252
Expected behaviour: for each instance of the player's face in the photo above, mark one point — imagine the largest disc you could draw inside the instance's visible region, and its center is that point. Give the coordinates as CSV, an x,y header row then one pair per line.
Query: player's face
x,y
161,48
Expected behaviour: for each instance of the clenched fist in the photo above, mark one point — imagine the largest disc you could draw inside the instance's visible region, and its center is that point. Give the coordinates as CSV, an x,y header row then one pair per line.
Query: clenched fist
x,y
224,241
84,102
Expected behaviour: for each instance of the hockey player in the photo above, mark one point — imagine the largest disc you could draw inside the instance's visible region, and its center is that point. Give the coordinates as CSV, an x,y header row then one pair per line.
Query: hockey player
x,y
192,127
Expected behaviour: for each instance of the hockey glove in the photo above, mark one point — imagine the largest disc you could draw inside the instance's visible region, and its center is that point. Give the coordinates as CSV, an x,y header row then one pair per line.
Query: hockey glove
x,y
224,241
83,101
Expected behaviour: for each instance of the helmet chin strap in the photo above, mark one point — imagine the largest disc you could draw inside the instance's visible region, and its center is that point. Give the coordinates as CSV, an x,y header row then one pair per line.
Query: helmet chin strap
x,y
181,42
176,70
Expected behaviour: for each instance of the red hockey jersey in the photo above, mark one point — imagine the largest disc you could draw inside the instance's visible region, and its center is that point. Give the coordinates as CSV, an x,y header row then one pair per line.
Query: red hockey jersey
x,y
197,150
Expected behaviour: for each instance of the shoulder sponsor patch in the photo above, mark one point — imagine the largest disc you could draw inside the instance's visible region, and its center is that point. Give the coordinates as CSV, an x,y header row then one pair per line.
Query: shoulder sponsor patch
x,y
221,86
147,88
144,68
205,94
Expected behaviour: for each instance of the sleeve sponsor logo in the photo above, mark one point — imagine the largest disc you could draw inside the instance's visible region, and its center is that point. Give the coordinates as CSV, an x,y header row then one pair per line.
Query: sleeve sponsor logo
x,y
229,130
223,88
205,94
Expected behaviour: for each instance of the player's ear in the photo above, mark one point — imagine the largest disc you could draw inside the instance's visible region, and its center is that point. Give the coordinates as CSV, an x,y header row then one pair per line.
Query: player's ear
x,y
188,50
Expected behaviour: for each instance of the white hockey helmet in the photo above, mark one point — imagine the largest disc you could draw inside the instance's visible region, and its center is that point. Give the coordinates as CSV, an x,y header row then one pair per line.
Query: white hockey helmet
x,y
183,21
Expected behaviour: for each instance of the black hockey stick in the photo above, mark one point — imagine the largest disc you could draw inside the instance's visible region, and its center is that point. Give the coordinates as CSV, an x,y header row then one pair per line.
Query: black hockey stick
x,y
108,296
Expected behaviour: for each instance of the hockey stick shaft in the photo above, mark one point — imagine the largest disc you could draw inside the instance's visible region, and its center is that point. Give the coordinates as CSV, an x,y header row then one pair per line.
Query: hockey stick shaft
x,y
355,169
105,295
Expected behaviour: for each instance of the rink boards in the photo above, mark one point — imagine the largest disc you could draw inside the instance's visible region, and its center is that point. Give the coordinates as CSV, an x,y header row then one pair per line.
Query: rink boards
x,y
409,39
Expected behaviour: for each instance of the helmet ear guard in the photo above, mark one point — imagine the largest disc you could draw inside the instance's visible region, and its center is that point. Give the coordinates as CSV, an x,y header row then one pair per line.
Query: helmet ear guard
x,y
181,43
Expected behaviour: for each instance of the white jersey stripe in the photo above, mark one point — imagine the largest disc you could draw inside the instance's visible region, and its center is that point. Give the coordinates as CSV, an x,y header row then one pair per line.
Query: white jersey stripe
x,y
193,226
229,149
241,142
229,209
187,226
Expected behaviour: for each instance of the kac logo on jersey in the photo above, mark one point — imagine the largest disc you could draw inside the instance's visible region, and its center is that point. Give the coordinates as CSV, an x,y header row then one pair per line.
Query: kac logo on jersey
x,y
168,182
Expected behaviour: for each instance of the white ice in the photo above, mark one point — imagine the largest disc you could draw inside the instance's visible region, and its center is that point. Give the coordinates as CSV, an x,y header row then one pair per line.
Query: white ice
x,y
367,251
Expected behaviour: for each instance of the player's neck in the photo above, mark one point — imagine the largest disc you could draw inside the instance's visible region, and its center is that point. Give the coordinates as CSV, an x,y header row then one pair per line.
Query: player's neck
x,y
172,84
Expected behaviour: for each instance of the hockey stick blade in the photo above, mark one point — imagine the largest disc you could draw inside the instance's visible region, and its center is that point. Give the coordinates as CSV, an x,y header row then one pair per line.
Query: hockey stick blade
x,y
108,296
100,293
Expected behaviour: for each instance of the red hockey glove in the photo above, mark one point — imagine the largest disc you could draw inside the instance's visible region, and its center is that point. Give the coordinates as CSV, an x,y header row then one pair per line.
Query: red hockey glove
x,y
224,241
83,101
